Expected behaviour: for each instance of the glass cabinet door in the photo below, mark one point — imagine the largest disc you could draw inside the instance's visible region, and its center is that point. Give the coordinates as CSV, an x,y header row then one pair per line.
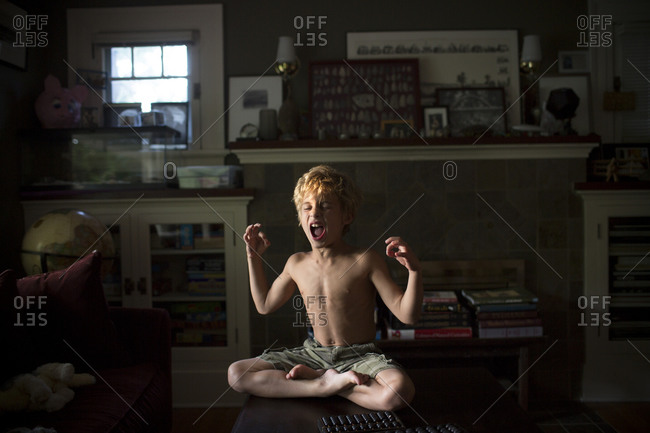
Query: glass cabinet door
x,y
188,279
112,270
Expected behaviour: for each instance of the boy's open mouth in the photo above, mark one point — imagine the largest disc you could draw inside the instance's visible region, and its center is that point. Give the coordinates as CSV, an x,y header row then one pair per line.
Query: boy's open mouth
x,y
317,231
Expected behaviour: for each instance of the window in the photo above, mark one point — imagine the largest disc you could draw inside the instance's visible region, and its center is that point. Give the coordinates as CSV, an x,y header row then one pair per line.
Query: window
x,y
139,50
157,78
633,62
148,74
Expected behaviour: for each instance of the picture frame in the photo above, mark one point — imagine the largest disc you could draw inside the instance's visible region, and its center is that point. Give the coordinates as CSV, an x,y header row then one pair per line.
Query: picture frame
x,y
353,98
436,121
397,128
12,51
122,115
247,96
176,117
632,162
94,79
573,62
474,111
474,58
581,123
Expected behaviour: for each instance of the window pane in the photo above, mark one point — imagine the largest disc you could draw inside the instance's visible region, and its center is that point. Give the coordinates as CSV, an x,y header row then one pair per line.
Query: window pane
x,y
148,91
121,62
175,60
147,62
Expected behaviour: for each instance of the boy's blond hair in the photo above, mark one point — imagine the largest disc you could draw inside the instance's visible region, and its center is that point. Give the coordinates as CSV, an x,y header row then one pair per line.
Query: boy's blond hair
x,y
324,180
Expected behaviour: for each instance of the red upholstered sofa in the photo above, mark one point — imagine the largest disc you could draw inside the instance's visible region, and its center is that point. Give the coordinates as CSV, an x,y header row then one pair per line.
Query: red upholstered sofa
x,y
128,351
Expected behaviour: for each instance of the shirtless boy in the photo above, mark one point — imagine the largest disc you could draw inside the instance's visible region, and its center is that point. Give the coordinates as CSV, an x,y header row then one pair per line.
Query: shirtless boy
x,y
342,358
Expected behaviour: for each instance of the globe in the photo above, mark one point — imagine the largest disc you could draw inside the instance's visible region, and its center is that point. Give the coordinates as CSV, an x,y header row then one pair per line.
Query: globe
x,y
59,238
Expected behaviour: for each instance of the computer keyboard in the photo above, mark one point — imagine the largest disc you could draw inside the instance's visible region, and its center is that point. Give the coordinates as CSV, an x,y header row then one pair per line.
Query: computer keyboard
x,y
379,422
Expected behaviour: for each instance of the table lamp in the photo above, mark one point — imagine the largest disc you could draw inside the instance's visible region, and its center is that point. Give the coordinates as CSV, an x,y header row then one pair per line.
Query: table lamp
x,y
287,65
529,63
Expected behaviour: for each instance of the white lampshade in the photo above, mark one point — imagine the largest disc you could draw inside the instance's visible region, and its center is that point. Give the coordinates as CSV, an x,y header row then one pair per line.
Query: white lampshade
x,y
286,50
532,49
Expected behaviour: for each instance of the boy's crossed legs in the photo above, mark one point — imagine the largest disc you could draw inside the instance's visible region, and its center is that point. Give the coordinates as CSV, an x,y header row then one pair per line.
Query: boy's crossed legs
x,y
385,387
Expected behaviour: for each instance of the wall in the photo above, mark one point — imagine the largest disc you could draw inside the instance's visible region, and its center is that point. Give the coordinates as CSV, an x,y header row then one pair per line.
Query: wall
x,y
451,224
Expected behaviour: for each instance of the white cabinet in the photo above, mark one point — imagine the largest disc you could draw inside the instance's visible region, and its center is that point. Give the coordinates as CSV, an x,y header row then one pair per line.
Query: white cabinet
x,y
185,255
615,308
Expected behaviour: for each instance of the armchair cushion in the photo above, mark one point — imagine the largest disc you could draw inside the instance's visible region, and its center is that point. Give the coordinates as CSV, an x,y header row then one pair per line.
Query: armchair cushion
x,y
78,327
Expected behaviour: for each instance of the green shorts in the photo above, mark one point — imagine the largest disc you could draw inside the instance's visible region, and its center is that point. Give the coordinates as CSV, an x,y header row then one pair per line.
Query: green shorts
x,y
363,358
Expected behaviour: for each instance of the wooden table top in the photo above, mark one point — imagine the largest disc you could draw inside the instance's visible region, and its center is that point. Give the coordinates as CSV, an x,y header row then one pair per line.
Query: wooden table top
x,y
470,397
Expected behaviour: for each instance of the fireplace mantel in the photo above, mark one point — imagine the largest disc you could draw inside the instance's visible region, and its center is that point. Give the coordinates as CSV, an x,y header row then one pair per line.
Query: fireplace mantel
x,y
372,150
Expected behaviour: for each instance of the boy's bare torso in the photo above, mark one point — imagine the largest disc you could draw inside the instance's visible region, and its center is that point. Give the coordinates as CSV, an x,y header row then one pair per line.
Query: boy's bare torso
x,y
338,294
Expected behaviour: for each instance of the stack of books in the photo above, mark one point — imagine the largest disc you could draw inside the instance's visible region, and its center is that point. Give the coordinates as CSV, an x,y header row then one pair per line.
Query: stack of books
x,y
504,313
443,316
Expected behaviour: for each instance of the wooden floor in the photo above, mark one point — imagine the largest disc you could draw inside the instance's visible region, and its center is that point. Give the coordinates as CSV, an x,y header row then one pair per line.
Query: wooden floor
x,y
624,417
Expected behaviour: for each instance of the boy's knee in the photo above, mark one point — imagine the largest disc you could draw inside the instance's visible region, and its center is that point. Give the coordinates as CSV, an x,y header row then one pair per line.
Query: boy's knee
x,y
397,395
236,372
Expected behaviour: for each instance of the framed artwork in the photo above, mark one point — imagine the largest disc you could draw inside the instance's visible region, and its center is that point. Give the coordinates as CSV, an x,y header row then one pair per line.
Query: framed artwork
x,y
481,58
632,161
89,118
122,115
176,117
13,44
474,111
573,62
397,128
247,96
436,121
355,98
580,85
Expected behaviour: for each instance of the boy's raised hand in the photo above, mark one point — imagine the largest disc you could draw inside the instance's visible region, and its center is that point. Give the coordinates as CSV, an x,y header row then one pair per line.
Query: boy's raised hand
x,y
256,241
397,248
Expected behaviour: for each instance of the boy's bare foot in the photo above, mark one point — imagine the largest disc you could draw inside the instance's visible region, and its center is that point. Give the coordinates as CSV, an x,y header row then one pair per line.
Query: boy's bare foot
x,y
335,382
301,371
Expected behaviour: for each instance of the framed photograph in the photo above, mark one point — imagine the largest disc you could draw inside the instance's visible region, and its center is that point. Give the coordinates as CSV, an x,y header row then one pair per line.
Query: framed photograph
x,y
573,62
481,58
175,116
355,98
632,161
580,85
435,121
473,111
397,128
13,49
122,115
89,117
247,96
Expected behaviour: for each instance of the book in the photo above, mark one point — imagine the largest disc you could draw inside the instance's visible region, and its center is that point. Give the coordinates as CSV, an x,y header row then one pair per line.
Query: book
x,y
439,297
510,332
505,307
509,323
513,295
427,334
507,315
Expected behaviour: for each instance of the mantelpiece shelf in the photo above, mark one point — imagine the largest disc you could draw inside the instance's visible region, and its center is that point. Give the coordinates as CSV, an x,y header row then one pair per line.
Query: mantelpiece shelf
x,y
414,149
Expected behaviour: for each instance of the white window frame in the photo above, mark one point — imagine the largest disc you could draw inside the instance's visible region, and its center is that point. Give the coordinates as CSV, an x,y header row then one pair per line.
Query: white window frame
x,y
604,63
87,26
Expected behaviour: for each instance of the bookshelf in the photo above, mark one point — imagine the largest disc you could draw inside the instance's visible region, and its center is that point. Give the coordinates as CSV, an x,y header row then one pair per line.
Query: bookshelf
x,y
616,295
507,358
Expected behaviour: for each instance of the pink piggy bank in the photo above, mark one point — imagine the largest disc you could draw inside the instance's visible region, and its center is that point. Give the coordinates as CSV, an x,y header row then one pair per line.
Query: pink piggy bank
x,y
57,107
